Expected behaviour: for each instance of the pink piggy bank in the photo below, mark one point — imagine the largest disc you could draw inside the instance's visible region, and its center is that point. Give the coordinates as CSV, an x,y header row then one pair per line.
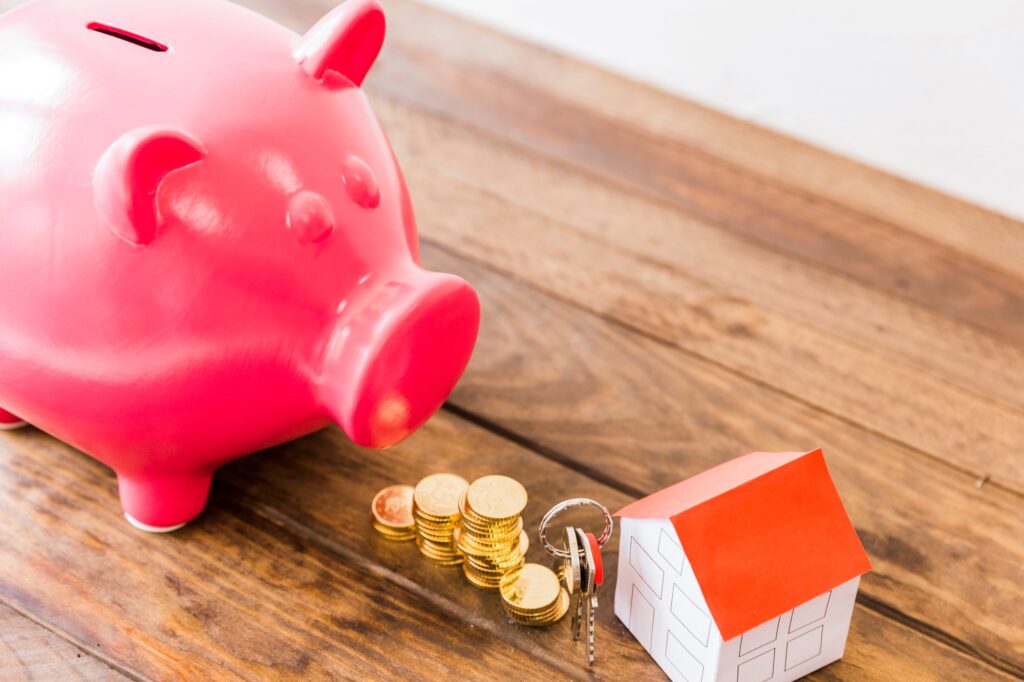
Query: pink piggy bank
x,y
206,245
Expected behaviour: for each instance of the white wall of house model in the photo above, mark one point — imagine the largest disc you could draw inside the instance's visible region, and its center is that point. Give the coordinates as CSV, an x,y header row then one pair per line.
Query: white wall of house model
x,y
658,598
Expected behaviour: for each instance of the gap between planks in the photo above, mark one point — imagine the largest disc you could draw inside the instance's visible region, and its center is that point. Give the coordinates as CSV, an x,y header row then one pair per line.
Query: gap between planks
x,y
297,527
362,561
934,384
518,165
440,89
97,658
983,477
239,496
878,606
712,218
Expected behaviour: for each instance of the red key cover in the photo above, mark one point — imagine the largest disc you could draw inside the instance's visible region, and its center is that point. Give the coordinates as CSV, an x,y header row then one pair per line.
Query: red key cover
x,y
595,549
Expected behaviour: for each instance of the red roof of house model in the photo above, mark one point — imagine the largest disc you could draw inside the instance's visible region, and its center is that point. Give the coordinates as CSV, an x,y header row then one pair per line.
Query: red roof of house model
x,y
764,533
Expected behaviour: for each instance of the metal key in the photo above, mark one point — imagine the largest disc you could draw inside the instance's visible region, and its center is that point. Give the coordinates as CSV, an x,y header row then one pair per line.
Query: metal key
x,y
573,573
588,590
582,566
597,570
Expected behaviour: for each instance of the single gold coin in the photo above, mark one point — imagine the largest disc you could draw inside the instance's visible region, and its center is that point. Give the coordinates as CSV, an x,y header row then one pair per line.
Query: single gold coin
x,y
496,497
393,506
438,494
532,587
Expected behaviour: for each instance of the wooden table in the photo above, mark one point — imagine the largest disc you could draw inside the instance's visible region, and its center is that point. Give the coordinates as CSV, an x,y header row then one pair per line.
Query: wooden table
x,y
663,288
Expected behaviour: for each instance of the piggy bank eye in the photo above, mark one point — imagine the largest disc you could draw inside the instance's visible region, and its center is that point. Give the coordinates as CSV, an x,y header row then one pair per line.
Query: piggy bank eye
x,y
310,217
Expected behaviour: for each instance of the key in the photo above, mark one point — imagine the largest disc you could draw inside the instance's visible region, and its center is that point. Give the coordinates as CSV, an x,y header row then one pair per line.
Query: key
x,y
588,591
586,580
597,570
582,567
572,579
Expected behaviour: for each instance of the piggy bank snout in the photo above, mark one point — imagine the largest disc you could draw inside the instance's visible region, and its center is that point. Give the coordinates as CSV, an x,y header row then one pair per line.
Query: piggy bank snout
x,y
395,360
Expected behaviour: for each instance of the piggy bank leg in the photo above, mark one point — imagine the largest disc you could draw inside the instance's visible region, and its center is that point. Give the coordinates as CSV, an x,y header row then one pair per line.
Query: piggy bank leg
x,y
160,502
8,421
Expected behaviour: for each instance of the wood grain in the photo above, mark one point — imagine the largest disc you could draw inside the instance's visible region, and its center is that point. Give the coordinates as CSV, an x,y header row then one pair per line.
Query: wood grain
x,y
632,411
532,113
234,595
664,288
644,279
985,235
449,444
306,560
29,652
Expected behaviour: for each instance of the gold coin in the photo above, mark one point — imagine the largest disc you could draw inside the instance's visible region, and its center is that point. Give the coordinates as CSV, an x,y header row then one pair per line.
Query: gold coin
x,y
488,546
491,532
392,506
489,569
496,497
482,583
556,614
431,518
524,542
434,536
530,587
438,494
548,612
393,532
494,558
527,618
441,558
563,605
436,547
399,538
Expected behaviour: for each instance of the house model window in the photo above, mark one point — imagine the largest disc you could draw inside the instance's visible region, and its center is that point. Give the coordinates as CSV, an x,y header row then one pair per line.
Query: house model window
x,y
745,573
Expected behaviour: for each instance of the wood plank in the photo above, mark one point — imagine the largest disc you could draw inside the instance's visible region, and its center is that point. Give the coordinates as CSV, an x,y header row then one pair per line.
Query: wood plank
x,y
635,412
158,608
648,278
232,596
984,234
668,238
347,479
29,652
248,586
822,233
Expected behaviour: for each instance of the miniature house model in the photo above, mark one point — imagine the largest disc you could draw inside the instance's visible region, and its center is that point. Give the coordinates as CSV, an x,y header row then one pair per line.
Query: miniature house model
x,y
744,573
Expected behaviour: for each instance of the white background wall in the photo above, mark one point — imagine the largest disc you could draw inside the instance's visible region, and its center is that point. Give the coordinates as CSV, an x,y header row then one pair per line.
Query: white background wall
x,y
932,90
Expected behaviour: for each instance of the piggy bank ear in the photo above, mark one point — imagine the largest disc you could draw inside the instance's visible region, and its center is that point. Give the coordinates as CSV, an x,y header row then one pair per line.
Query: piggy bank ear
x,y
347,41
129,174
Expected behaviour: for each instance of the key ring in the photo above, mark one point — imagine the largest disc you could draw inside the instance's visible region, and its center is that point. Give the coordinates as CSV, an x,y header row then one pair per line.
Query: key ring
x,y
609,524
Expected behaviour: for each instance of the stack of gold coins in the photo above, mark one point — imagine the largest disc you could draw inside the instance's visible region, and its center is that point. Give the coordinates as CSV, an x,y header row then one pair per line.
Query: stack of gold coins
x,y
436,512
392,513
532,595
490,534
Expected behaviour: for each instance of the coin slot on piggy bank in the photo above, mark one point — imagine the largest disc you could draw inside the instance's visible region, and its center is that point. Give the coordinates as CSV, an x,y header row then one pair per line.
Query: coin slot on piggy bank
x,y
127,36
217,251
